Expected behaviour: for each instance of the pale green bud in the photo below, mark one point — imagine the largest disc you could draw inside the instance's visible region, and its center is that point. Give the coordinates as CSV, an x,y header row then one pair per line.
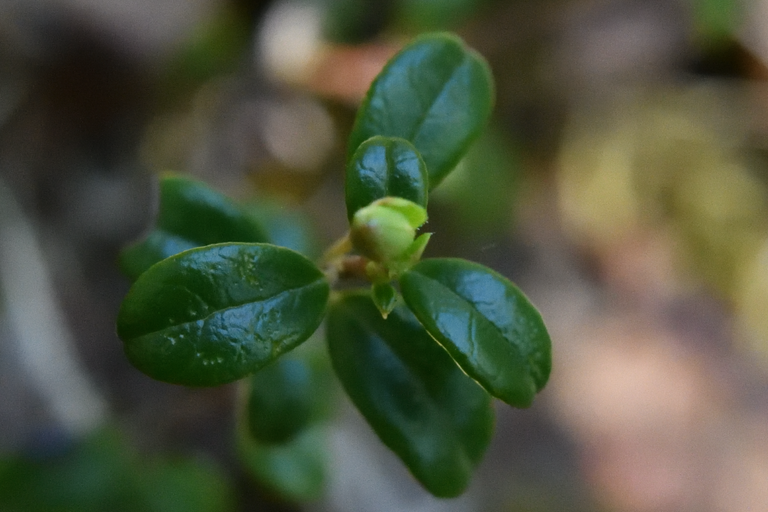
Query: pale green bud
x,y
384,230
415,213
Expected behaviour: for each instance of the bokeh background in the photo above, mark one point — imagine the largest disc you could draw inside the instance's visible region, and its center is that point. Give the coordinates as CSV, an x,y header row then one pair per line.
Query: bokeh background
x,y
622,183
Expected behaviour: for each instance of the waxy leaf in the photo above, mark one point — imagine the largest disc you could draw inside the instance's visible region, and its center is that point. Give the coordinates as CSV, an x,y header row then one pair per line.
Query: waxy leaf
x,y
214,314
485,322
382,167
191,214
437,94
280,400
436,419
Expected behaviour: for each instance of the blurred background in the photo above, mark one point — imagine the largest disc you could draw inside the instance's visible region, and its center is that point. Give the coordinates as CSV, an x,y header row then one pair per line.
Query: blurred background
x,y
622,183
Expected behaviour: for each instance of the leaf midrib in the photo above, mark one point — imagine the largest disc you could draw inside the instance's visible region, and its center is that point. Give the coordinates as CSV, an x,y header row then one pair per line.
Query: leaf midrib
x,y
319,280
527,354
437,96
471,306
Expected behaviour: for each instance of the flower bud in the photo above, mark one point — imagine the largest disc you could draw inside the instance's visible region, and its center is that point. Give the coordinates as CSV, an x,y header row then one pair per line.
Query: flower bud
x,y
383,230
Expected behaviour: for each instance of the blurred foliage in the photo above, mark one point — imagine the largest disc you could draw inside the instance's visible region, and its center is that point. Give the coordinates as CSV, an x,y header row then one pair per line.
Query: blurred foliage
x,y
682,161
483,212
285,225
426,15
716,20
290,468
214,49
103,472
294,471
354,21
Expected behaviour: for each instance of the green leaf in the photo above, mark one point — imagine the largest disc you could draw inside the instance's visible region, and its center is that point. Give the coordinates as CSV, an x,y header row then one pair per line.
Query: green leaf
x,y
354,21
423,15
437,94
102,472
280,400
91,475
214,314
438,421
485,323
384,297
296,471
383,167
191,215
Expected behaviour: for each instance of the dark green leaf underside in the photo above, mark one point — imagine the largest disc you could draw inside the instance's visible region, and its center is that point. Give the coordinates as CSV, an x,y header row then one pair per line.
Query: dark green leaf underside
x,y
295,471
157,246
437,94
410,391
191,214
280,400
214,314
485,322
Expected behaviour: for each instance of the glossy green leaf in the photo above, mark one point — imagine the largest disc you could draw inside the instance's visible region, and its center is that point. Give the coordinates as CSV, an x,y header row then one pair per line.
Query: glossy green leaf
x,y
485,322
436,419
385,167
191,214
280,400
214,314
437,94
296,471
